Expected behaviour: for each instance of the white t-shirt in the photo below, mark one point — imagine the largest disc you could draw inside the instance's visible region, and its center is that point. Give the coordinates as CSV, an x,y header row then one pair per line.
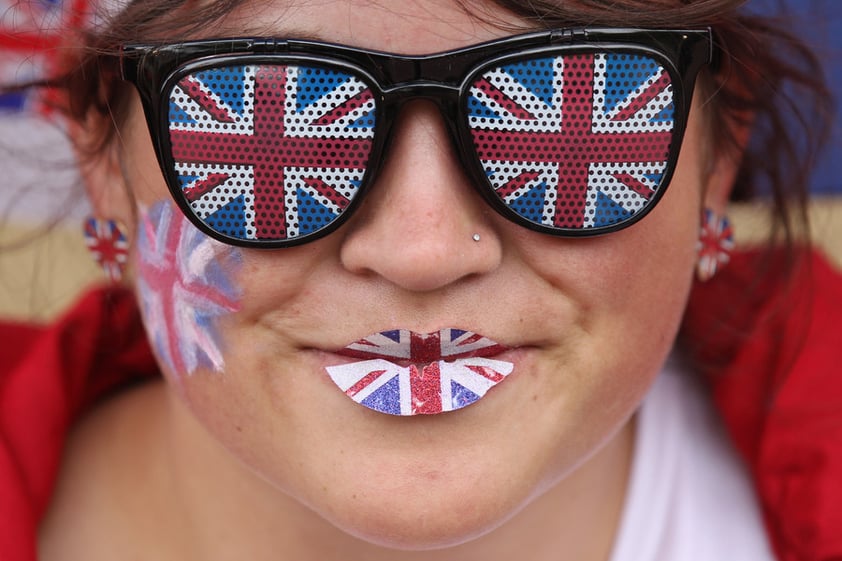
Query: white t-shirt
x,y
689,497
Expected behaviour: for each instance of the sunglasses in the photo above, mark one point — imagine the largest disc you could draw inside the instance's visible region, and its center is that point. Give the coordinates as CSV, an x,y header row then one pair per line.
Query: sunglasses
x,y
272,143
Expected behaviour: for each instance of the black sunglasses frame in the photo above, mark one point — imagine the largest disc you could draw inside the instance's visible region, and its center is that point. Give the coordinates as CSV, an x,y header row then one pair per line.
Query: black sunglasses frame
x,y
443,79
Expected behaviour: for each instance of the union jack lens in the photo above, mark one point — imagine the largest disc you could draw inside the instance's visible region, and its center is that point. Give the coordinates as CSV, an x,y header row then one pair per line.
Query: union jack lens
x,y
270,150
574,141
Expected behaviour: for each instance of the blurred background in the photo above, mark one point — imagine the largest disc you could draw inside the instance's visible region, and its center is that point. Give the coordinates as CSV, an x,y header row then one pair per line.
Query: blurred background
x,y
43,262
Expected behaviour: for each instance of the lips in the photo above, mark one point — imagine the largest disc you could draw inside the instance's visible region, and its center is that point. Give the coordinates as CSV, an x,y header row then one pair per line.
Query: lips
x,y
400,372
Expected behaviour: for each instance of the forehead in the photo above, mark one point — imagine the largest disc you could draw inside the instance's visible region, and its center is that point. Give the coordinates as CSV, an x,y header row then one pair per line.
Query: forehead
x,y
399,26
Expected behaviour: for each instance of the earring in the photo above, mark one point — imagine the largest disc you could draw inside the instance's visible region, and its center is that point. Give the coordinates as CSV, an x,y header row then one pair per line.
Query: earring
x,y
716,241
107,242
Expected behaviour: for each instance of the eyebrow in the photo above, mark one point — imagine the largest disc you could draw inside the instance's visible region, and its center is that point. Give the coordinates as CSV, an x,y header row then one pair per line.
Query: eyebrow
x,y
269,31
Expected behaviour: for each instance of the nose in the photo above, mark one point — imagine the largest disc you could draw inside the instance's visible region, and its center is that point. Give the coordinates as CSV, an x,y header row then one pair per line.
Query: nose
x,y
422,225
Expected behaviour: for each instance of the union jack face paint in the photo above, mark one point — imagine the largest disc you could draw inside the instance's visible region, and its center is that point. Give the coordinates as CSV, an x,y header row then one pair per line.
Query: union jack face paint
x,y
185,285
401,372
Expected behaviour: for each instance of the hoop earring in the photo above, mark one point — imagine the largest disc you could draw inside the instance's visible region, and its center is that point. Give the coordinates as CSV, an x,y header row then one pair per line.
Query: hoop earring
x,y
109,246
716,242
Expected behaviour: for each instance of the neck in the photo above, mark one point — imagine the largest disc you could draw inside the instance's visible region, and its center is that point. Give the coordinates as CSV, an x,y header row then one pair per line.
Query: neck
x,y
227,511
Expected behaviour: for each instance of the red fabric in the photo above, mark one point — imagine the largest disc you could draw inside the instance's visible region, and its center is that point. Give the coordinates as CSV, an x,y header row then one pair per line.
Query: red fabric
x,y
49,376
773,341
774,351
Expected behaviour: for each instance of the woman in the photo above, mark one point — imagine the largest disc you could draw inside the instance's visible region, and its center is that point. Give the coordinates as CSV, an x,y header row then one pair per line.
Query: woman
x,y
409,307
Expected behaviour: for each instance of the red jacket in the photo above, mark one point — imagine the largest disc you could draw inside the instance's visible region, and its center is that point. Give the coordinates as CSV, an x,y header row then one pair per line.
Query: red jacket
x,y
770,332
771,343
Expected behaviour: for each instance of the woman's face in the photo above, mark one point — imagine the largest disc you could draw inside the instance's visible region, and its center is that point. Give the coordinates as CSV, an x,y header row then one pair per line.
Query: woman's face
x,y
245,336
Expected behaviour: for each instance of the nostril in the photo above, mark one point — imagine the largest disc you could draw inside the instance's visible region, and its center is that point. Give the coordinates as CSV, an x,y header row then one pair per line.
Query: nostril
x,y
417,224
420,258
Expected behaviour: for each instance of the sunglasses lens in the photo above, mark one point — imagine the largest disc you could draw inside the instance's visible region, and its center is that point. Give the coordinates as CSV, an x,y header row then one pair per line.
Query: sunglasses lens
x,y
574,141
270,152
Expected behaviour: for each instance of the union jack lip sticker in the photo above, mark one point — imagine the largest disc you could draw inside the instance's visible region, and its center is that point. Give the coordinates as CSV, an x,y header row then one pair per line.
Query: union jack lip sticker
x,y
406,373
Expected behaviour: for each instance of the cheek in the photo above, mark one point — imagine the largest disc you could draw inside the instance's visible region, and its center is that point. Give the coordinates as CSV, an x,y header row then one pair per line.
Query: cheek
x,y
640,276
648,274
624,295
185,287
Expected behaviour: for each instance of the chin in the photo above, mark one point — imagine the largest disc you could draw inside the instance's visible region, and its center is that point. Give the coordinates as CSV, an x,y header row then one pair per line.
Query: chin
x,y
428,521
440,487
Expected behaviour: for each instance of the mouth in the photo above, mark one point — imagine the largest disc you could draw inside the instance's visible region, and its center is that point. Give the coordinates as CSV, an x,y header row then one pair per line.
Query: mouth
x,y
400,372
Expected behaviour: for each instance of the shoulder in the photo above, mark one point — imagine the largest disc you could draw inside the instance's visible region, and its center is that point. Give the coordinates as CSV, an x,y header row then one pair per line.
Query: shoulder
x,y
108,496
49,376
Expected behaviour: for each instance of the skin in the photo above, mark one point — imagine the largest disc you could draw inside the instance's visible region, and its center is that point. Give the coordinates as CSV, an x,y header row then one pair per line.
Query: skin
x,y
268,456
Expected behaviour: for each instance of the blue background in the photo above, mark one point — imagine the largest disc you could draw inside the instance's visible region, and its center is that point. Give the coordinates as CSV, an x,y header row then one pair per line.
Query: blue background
x,y
819,22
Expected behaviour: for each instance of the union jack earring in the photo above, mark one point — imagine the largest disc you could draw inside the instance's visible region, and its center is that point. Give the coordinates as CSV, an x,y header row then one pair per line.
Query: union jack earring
x,y
716,241
107,242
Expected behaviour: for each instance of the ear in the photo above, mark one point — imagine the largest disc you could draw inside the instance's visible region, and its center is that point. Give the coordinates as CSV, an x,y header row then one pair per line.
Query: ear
x,y
101,171
724,160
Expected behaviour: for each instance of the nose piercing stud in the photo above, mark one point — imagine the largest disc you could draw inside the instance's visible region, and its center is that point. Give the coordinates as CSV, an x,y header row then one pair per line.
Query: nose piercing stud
x,y
476,237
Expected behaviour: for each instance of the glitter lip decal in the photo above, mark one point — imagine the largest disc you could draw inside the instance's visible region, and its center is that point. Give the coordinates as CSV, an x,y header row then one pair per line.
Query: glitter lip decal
x,y
184,284
406,373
